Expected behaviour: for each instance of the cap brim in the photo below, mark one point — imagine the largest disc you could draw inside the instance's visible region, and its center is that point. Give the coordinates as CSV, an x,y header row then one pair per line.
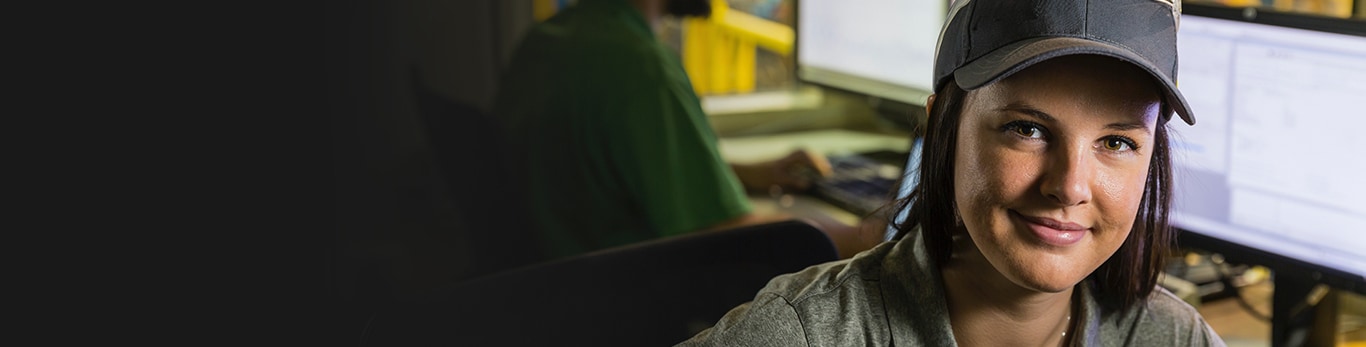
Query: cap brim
x,y
1012,58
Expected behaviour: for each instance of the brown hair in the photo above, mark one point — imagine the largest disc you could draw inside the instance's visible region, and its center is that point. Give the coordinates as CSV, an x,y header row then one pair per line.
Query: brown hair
x,y
1122,281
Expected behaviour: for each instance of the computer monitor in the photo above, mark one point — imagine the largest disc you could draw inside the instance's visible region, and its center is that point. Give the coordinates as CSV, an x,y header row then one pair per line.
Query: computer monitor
x,y
880,48
910,176
883,49
1270,171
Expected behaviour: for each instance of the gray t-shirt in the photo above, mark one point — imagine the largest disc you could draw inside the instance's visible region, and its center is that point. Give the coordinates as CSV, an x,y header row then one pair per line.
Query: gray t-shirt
x,y
892,296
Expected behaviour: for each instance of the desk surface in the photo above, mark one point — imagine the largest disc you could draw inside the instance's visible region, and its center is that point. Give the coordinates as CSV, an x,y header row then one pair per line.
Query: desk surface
x,y
1239,328
749,149
802,206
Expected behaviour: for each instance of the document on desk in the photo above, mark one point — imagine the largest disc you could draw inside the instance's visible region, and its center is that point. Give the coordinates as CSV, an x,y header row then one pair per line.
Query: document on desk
x,y
751,149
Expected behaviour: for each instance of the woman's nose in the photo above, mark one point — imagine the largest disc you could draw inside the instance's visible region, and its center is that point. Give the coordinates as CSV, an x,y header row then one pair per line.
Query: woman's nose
x,y
1067,179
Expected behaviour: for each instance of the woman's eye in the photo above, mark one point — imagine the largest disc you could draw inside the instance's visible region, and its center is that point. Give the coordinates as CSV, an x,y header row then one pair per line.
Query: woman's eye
x,y
1118,144
1026,129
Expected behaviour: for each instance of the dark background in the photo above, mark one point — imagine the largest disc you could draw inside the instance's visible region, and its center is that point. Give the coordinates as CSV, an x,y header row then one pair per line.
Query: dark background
x,y
223,173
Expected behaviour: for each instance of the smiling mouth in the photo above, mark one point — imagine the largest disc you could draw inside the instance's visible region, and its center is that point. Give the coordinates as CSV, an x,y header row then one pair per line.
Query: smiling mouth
x,y
1051,231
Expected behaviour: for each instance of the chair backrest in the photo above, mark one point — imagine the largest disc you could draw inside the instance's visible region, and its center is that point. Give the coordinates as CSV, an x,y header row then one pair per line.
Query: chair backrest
x,y
466,149
656,293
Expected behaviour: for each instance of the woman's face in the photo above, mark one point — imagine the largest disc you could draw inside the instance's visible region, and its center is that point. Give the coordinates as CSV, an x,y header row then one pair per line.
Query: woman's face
x,y
1051,166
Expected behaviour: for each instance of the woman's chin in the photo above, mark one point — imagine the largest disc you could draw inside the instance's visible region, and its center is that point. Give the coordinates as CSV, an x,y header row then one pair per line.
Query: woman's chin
x,y
1057,287
1049,282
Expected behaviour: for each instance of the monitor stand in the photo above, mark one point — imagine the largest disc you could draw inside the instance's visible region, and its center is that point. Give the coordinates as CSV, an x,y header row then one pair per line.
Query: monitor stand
x,y
1304,312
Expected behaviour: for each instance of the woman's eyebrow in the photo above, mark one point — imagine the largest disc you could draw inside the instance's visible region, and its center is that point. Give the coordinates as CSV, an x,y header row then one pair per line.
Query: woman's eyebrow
x,y
1124,126
1035,112
1029,110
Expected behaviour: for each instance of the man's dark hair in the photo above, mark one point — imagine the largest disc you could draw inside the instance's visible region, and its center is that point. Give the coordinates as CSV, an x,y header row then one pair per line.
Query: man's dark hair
x,y
688,8
1123,280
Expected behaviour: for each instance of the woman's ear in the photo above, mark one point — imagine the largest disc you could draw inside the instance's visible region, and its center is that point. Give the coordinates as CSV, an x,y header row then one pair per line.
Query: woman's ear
x,y
929,103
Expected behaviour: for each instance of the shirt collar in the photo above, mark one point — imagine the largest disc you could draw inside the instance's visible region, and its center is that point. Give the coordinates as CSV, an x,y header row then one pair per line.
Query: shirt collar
x,y
623,10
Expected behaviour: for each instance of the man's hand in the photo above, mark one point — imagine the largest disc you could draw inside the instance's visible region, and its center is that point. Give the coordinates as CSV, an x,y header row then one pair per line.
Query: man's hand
x,y
794,172
799,169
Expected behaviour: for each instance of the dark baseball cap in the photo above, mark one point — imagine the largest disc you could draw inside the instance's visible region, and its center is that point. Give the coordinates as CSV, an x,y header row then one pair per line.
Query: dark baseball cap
x,y
984,41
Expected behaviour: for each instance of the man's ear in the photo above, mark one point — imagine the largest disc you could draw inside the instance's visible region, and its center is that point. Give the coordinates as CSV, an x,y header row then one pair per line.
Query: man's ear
x,y
929,103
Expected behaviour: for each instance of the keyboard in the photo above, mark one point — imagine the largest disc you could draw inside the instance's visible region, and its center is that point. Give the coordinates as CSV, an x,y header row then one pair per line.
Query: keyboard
x,y
861,183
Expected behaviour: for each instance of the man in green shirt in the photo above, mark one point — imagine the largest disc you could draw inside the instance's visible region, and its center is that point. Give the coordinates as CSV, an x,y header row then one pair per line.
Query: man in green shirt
x,y
602,126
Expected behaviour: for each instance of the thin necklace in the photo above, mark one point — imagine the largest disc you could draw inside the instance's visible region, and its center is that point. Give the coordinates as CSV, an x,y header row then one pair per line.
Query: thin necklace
x,y
1065,325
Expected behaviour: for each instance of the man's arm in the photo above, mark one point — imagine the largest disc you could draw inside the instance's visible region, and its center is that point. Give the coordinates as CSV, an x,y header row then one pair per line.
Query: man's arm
x,y
792,173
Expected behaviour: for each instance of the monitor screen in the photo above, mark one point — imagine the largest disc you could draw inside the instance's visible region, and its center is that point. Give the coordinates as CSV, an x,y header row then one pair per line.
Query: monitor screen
x,y
882,48
1271,163
910,176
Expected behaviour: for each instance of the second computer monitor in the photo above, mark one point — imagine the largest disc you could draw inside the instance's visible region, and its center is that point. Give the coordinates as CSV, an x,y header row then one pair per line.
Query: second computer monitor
x,y
881,48
1271,163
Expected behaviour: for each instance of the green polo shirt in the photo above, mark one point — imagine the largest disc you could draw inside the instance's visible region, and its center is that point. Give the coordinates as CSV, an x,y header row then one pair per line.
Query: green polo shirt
x,y
603,127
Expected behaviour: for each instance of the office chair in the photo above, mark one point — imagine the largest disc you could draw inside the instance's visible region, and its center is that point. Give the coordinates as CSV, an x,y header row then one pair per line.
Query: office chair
x,y
467,152
656,293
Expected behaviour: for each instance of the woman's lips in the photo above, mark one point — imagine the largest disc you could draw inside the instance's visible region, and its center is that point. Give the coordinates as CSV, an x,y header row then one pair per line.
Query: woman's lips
x,y
1052,231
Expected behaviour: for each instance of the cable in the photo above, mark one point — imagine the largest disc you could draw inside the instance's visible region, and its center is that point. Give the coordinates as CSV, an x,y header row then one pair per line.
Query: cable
x,y
1227,280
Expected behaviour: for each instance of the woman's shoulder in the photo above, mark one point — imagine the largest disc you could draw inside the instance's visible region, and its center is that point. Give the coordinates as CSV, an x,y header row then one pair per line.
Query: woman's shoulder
x,y
1162,319
811,286
1167,306
823,302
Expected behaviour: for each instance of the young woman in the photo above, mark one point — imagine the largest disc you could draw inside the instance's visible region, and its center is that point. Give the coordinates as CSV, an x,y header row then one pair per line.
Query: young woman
x,y
1041,215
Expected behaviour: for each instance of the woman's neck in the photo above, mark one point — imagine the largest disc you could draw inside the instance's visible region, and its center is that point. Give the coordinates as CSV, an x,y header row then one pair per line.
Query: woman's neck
x,y
987,309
